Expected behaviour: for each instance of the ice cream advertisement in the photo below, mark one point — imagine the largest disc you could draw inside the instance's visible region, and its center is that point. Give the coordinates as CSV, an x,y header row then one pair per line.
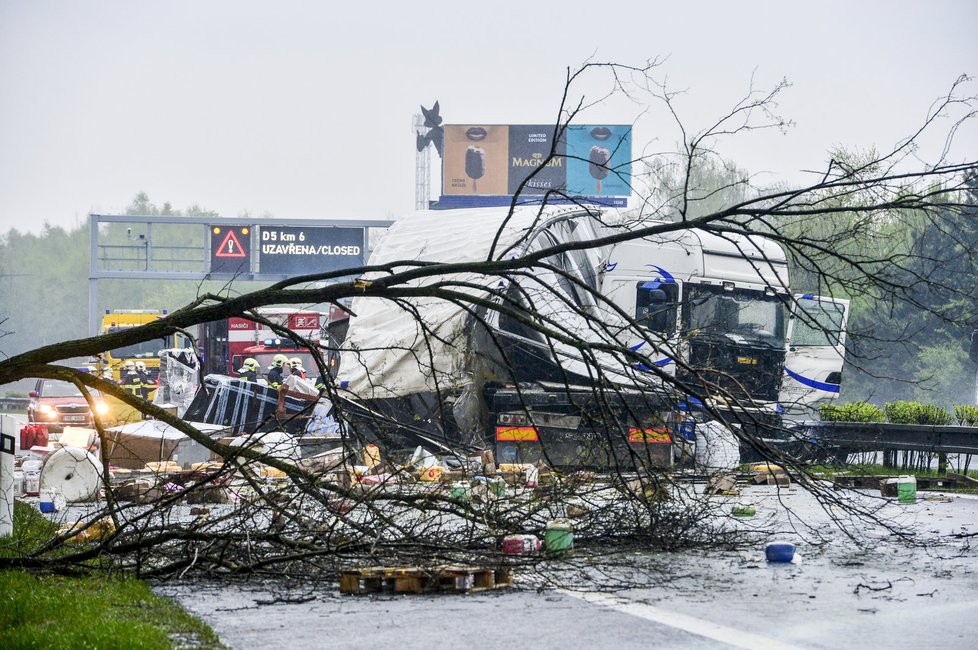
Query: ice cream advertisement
x,y
486,164
599,160
475,160
530,151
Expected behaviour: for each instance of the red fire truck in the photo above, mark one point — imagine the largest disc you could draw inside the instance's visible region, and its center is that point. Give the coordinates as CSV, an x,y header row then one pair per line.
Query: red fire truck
x,y
226,344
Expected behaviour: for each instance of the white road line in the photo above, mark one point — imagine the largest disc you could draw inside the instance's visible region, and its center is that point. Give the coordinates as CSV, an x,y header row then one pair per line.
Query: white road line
x,y
728,635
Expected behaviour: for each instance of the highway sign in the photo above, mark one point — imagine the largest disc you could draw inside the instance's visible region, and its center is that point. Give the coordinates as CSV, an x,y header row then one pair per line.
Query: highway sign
x,y
294,250
230,249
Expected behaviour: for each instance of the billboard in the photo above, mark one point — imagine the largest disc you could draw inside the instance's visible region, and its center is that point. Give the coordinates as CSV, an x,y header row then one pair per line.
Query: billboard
x,y
292,250
486,164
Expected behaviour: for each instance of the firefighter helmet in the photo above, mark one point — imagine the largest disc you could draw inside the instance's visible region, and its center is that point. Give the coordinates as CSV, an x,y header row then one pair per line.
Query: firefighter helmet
x,y
280,360
249,365
140,366
296,363
129,365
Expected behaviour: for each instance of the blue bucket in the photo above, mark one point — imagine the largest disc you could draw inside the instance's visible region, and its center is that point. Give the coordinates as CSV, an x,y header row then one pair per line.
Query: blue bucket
x,y
780,552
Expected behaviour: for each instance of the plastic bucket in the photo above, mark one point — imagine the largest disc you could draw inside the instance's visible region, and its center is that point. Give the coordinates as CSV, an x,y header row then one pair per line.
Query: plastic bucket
x,y
743,510
32,477
780,552
907,489
559,536
460,492
46,501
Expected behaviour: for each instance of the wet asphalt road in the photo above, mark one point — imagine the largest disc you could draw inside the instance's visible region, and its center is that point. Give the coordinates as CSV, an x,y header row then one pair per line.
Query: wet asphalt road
x,y
883,595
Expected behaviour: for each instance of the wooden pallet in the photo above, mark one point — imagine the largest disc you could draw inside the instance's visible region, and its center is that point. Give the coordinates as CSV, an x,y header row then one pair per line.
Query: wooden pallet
x,y
416,580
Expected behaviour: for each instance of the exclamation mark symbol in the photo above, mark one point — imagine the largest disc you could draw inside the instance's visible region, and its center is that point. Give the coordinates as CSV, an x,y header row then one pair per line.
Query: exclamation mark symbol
x,y
230,246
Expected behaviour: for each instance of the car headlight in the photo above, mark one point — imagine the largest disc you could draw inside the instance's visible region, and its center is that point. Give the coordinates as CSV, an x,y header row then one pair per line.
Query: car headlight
x,y
101,408
47,409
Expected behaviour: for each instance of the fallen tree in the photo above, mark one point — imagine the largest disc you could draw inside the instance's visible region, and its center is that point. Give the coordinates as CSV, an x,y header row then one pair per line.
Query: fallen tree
x,y
277,514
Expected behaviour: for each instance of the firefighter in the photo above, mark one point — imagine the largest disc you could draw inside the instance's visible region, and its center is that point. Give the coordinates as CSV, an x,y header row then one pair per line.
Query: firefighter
x,y
248,370
278,371
131,381
147,386
296,364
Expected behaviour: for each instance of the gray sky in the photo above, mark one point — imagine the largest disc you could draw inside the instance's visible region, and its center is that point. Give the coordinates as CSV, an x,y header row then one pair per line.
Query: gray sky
x,y
304,109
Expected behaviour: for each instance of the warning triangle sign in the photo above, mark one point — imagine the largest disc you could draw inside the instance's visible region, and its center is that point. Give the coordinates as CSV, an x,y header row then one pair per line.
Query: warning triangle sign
x,y
230,247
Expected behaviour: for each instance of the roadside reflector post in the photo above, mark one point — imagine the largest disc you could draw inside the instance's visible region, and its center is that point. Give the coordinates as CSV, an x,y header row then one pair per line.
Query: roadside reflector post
x,y
6,485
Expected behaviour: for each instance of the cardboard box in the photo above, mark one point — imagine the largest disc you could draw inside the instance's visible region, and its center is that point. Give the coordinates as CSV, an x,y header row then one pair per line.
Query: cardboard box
x,y
133,446
772,478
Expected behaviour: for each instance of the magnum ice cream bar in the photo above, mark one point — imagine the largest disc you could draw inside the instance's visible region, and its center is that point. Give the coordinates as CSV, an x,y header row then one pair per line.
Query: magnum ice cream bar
x,y
598,164
475,165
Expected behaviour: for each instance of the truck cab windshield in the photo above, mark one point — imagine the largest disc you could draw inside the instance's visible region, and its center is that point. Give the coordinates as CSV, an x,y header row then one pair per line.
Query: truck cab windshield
x,y
143,350
738,314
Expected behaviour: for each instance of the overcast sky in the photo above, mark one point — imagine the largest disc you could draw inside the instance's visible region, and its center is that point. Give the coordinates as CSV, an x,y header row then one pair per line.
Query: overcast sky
x,y
304,109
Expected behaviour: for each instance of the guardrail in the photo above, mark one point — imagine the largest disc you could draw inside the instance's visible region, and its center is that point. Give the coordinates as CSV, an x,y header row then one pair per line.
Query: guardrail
x,y
14,403
884,436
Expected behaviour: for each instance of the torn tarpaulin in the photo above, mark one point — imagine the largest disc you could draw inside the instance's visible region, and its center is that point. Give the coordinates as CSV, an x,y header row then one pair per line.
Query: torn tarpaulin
x,y
178,379
246,407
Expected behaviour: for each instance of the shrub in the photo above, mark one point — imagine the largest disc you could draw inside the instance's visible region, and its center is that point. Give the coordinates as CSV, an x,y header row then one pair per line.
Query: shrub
x,y
966,415
903,412
851,412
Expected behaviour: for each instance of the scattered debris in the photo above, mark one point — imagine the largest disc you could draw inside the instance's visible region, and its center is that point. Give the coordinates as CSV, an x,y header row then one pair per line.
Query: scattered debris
x,y
743,510
88,532
521,544
724,484
455,579
861,586
961,480
575,511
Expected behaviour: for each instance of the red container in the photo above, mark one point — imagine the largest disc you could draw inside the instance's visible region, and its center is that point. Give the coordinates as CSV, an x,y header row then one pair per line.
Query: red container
x,y
520,544
33,435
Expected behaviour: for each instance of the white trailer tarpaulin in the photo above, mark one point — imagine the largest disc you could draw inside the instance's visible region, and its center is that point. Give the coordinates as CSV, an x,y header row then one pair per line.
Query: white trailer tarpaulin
x,y
422,343
398,349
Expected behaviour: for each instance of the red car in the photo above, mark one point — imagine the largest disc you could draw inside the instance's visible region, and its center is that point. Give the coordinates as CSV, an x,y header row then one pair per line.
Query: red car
x,y
58,404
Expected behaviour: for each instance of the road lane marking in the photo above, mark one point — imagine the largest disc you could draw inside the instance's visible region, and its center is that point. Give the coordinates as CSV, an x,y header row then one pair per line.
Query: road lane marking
x,y
700,627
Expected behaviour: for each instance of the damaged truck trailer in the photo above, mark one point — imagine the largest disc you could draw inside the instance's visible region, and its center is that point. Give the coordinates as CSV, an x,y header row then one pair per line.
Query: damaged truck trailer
x,y
576,354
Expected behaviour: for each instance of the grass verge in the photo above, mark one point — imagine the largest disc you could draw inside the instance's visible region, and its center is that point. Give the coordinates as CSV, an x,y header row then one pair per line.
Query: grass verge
x,y
39,610
50,611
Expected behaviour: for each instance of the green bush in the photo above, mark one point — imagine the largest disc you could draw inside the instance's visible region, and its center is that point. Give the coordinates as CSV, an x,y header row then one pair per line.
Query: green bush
x,y
851,412
904,412
966,415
